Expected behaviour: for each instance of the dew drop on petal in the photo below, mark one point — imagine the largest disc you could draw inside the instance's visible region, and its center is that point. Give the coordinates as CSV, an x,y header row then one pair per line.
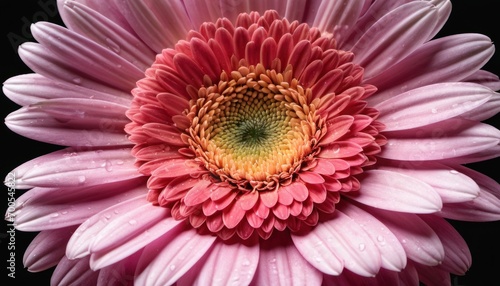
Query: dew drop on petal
x,y
362,247
132,221
455,172
77,80
434,110
172,267
81,179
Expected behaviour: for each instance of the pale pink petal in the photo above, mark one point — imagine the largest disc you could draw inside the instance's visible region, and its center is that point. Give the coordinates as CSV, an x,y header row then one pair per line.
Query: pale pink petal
x,y
380,47
167,259
431,275
129,233
93,61
392,253
339,241
60,207
32,88
485,78
483,155
108,34
151,18
418,239
446,59
87,232
226,264
485,111
457,258
337,16
74,272
281,264
444,140
120,273
451,185
348,278
45,250
200,11
485,207
70,121
71,168
106,8
397,192
431,104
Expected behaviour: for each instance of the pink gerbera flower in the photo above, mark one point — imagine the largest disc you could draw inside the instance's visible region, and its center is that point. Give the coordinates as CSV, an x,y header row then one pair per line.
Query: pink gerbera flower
x,y
254,142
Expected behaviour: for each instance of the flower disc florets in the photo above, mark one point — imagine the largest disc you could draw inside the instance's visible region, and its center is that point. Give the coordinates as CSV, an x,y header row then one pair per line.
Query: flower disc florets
x,y
251,127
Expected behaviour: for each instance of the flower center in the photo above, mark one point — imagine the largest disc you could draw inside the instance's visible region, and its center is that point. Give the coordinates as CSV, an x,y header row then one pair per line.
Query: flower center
x,y
254,128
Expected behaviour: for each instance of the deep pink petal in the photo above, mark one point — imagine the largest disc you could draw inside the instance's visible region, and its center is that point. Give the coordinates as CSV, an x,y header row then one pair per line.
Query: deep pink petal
x,y
32,88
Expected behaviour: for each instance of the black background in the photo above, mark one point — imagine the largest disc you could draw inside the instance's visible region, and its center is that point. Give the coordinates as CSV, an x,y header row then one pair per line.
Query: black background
x,y
477,16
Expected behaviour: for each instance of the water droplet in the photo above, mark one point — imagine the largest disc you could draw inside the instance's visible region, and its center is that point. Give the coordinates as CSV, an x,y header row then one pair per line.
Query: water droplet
x,y
454,172
132,221
77,80
116,211
380,238
108,166
362,247
113,45
108,216
64,212
434,110
54,215
172,267
119,162
81,179
246,262
403,241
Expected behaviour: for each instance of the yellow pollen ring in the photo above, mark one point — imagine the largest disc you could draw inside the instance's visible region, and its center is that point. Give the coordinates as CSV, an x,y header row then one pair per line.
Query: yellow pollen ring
x,y
254,128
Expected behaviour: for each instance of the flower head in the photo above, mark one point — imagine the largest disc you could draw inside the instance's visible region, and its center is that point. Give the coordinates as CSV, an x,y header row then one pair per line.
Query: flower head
x,y
254,142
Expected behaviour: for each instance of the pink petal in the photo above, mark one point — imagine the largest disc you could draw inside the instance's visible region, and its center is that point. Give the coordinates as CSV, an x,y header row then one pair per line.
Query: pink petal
x,y
299,191
45,250
94,62
228,263
451,185
485,207
337,16
199,193
392,253
178,167
311,178
448,59
340,149
485,78
418,239
79,244
408,26
108,9
109,34
336,128
170,257
54,208
397,192
455,138
457,258
74,272
152,18
281,264
431,104
27,89
124,234
68,168
72,122
339,241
